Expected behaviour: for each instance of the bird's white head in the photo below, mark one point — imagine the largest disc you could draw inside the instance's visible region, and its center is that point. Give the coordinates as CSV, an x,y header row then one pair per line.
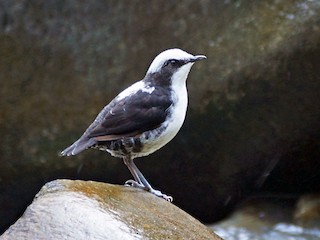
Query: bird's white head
x,y
174,62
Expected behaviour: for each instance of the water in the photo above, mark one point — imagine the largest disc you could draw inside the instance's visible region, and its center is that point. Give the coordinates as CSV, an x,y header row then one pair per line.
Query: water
x,y
270,219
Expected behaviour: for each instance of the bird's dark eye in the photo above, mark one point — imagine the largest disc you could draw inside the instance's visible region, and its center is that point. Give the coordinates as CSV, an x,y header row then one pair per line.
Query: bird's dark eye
x,y
174,63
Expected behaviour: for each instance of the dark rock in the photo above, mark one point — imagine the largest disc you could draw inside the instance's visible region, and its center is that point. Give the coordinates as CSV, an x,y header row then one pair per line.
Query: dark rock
x,y
254,118
66,209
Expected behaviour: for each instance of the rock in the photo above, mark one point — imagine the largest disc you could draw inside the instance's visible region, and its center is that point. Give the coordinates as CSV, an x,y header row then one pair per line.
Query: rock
x,y
307,212
252,125
266,218
66,209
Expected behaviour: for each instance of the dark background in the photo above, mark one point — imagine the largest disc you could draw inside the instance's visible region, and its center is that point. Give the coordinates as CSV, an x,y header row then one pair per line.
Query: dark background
x,y
252,126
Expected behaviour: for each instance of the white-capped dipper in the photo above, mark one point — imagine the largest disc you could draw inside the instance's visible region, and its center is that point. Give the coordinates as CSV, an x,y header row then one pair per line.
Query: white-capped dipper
x,y
144,117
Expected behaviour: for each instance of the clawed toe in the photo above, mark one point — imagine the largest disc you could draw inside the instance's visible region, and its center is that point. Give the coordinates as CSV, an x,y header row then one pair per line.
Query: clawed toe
x,y
167,198
162,195
135,184
132,183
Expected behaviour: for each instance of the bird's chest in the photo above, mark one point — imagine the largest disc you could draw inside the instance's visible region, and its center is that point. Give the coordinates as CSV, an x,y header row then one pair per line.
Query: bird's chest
x,y
177,113
157,138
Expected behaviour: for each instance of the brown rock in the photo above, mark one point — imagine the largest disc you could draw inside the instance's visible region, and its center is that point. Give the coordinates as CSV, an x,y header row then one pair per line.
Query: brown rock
x,y
307,211
66,209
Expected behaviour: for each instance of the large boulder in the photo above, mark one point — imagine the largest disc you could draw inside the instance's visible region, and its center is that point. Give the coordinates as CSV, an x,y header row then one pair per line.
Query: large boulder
x,y
66,209
253,120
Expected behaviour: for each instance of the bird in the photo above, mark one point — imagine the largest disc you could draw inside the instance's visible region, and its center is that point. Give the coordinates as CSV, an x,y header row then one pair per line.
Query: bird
x,y
144,117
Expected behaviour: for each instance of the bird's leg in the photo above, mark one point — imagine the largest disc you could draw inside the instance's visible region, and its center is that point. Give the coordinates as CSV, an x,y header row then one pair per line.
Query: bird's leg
x,y
136,182
141,181
148,187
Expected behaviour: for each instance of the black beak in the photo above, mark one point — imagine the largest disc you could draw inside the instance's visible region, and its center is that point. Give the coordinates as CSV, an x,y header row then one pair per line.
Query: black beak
x,y
197,58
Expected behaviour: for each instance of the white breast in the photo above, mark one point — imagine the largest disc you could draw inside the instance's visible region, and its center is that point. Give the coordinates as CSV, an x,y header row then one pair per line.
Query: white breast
x,y
177,112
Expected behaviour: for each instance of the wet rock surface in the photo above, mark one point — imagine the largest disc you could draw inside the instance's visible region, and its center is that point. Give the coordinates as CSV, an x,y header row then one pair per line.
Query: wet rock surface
x,y
265,218
253,120
66,209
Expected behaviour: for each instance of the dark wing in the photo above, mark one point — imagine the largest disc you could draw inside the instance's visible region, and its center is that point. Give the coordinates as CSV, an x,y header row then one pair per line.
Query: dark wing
x,y
132,115
125,117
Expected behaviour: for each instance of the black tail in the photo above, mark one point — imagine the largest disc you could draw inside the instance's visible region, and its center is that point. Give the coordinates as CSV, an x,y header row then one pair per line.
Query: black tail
x,y
78,146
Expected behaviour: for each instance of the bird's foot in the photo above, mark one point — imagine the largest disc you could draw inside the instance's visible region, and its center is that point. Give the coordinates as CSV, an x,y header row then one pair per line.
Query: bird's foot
x,y
160,194
135,184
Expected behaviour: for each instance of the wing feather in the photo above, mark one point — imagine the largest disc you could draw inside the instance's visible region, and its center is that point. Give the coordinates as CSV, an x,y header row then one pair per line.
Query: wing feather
x,y
125,117
135,114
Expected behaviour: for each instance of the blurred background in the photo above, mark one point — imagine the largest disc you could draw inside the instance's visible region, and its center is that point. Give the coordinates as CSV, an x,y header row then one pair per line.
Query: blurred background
x,y
253,124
